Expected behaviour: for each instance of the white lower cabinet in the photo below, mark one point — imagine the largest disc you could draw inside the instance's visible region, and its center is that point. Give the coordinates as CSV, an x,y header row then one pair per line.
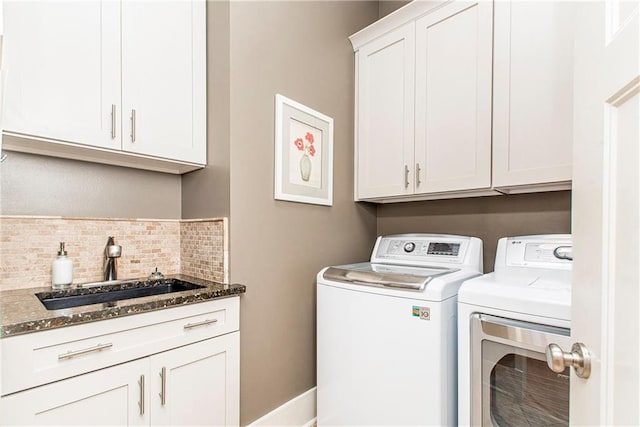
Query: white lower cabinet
x,y
196,384
189,375
109,396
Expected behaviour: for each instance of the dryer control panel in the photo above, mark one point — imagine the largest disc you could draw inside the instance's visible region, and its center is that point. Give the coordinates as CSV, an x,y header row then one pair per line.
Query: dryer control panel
x,y
551,251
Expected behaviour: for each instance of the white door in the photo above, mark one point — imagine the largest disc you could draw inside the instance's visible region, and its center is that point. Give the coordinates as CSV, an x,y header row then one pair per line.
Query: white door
x,y
606,193
385,115
112,396
197,384
453,98
163,79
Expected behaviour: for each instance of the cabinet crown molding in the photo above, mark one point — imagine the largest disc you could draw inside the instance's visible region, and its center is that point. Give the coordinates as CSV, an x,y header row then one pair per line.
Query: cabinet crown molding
x,y
399,17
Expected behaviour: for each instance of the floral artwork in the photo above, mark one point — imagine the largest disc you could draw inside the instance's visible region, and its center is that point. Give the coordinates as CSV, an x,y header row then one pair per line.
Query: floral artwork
x,y
307,145
306,154
303,154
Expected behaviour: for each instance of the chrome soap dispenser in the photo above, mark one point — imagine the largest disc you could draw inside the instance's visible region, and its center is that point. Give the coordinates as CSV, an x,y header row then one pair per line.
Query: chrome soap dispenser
x,y
61,270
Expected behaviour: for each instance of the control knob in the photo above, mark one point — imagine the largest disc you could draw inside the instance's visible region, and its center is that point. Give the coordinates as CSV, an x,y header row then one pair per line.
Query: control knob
x,y
409,247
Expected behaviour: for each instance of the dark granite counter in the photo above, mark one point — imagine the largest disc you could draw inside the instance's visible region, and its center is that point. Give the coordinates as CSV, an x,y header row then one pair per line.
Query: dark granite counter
x,y
21,311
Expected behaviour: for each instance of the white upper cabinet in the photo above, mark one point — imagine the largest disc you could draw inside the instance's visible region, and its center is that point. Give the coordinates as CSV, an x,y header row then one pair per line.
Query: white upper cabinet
x,y
533,94
453,98
482,105
107,81
62,67
385,126
424,104
163,79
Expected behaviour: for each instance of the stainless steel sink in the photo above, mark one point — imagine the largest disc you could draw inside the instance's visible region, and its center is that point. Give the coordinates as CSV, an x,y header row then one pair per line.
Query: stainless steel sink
x,y
57,300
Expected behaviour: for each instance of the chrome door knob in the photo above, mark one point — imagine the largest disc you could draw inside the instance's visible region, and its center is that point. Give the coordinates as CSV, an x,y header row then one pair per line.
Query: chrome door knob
x,y
579,358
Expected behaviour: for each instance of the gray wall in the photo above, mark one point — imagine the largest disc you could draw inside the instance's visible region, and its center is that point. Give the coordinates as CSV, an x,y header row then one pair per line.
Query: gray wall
x,y
385,7
206,192
300,50
39,185
488,218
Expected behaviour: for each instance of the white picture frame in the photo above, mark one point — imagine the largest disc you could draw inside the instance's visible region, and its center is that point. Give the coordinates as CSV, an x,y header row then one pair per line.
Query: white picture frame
x,y
303,153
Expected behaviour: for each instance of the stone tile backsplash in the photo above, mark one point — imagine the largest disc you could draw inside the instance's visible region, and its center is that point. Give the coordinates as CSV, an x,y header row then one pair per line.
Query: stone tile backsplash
x,y
29,244
201,254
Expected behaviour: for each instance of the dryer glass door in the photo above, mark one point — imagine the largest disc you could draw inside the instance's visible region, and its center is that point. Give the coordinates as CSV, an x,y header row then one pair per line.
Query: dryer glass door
x,y
511,377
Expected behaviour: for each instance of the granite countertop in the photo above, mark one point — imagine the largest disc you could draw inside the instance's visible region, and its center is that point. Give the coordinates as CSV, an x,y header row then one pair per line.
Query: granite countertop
x,y
21,311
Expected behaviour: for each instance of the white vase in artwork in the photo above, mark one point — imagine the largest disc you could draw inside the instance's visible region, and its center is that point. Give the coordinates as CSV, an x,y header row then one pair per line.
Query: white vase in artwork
x,y
305,167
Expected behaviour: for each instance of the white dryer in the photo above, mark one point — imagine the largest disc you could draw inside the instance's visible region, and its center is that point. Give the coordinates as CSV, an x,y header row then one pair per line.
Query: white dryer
x,y
386,332
506,320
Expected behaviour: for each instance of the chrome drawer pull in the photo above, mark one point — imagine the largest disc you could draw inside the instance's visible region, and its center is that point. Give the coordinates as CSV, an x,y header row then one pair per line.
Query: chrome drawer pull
x,y
203,323
406,176
133,125
163,386
70,354
113,121
141,402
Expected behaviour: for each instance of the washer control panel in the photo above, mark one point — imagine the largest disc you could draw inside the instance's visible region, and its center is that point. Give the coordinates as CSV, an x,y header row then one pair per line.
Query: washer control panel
x,y
419,248
439,248
424,249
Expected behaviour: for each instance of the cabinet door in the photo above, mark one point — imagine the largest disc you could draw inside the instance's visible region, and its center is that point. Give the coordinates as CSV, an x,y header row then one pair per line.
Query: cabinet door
x,y
533,92
197,384
109,396
164,79
453,98
384,149
62,70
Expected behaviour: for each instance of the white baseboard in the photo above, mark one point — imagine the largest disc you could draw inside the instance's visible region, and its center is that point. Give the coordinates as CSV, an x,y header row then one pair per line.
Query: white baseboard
x,y
299,411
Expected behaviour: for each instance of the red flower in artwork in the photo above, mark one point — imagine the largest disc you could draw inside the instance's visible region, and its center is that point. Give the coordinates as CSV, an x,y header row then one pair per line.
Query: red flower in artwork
x,y
306,145
309,137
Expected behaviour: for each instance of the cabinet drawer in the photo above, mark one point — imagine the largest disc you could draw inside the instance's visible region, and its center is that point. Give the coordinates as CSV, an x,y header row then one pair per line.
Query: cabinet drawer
x,y
53,355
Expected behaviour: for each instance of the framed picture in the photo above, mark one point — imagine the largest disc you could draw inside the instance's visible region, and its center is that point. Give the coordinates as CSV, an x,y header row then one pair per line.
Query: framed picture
x,y
304,154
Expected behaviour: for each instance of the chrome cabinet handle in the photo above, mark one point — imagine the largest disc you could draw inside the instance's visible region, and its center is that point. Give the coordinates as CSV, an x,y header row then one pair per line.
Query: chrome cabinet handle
x,y
418,175
70,354
406,176
113,121
579,358
163,386
203,323
133,125
141,402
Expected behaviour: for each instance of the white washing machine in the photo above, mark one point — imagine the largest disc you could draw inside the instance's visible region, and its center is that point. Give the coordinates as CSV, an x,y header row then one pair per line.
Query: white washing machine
x,y
386,332
506,320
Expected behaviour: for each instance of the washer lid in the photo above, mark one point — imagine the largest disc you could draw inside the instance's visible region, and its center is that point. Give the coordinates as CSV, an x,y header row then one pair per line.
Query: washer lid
x,y
389,276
